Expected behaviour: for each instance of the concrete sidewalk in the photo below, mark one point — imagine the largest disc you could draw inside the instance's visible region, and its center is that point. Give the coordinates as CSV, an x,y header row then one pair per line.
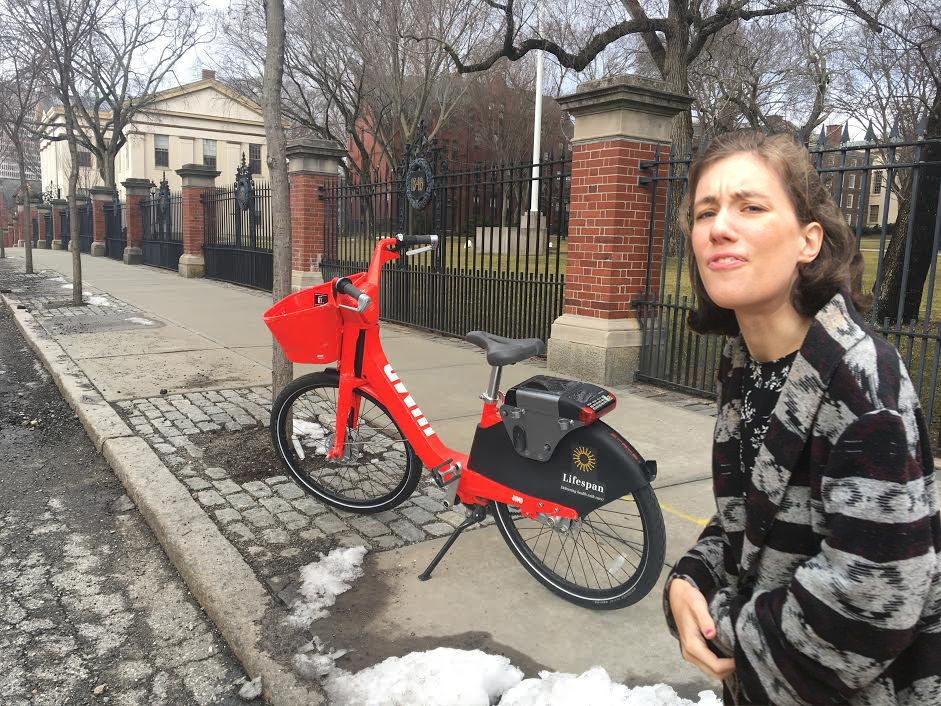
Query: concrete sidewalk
x,y
171,378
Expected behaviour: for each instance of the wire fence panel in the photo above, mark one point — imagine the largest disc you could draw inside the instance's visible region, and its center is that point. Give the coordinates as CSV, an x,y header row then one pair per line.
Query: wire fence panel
x,y
162,231
238,239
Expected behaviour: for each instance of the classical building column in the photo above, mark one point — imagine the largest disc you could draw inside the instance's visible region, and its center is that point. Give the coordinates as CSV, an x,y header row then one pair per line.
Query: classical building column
x,y
619,123
312,164
100,195
197,180
136,190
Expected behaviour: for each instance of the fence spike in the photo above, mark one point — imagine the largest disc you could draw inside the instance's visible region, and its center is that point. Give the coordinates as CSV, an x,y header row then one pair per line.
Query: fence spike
x,y
870,133
822,138
894,133
922,125
845,137
801,138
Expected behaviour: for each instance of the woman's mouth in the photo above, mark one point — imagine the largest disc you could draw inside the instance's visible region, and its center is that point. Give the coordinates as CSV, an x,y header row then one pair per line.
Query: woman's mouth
x,y
724,262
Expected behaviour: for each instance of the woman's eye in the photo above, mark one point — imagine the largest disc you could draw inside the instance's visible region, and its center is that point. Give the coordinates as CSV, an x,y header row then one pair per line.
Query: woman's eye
x,y
703,215
754,209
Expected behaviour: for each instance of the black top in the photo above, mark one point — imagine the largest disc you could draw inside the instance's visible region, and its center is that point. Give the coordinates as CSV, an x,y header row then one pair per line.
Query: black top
x,y
761,387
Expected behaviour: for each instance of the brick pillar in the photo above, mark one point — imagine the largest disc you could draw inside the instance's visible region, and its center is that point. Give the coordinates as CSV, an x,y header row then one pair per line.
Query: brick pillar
x,y
41,211
619,122
136,190
100,195
197,179
311,165
58,206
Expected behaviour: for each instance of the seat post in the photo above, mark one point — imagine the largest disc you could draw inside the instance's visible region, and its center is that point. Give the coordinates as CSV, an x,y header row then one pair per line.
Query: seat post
x,y
493,387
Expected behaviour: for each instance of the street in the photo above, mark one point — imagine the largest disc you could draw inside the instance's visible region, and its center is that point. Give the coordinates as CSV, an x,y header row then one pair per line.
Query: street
x,y
91,610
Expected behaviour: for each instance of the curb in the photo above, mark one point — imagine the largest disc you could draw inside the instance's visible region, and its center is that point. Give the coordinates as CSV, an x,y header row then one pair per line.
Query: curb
x,y
213,569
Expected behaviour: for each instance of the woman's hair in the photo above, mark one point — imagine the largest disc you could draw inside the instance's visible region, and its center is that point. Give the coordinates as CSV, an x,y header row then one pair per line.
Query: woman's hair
x,y
838,264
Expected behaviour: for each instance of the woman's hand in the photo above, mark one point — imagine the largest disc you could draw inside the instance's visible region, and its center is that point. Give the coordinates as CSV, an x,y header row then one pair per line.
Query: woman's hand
x,y
695,626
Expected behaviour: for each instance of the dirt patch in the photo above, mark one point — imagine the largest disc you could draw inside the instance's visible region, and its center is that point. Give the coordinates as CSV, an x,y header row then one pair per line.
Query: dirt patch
x,y
246,455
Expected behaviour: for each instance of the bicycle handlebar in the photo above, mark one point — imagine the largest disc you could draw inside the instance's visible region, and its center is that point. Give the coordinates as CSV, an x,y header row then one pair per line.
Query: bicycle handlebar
x,y
345,286
407,241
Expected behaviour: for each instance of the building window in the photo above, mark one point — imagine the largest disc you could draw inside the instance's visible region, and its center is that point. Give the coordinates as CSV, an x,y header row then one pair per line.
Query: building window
x,y
873,214
209,153
254,159
849,201
849,219
84,158
851,184
161,150
877,183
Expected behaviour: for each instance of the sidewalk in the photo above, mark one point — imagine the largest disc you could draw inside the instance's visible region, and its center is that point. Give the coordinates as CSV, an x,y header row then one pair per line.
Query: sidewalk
x,y
170,377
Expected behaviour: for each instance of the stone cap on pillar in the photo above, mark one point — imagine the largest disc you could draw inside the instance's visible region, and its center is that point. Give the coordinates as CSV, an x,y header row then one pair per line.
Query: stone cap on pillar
x,y
200,175
137,187
312,156
101,193
624,106
59,203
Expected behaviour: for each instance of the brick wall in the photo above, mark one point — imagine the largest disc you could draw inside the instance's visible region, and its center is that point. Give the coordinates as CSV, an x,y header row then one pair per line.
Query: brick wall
x,y
193,220
307,220
98,220
609,229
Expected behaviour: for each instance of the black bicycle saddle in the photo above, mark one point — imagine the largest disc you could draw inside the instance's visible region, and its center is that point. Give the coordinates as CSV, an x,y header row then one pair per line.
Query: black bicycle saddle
x,y
506,351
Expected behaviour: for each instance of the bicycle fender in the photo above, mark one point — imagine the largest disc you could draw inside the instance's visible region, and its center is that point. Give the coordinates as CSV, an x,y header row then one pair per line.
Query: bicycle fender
x,y
589,467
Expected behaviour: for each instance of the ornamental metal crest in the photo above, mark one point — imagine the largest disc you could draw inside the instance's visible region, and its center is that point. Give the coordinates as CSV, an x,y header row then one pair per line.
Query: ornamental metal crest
x,y
244,186
163,196
419,172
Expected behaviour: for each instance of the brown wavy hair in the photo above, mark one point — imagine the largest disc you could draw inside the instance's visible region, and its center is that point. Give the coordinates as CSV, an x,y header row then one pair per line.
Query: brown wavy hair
x,y
838,264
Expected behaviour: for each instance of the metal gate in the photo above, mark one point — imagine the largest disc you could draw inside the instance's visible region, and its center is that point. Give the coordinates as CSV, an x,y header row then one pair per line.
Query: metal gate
x,y
85,227
162,228
499,267
115,232
47,227
35,230
876,186
238,228
65,234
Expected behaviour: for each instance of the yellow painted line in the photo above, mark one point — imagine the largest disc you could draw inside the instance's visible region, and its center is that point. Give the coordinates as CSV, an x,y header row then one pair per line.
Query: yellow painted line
x,y
701,521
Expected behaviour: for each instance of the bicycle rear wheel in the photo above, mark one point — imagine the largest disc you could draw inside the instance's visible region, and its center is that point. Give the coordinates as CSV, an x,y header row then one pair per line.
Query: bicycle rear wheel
x,y
378,470
610,558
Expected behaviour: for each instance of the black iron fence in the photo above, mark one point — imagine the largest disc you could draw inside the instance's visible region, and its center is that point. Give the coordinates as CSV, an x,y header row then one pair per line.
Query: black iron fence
x,y
115,230
889,195
238,236
65,234
47,228
85,227
500,265
35,230
162,230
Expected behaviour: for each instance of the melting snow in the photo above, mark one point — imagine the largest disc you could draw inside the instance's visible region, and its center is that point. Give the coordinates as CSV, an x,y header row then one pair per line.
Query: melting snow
x,y
323,581
139,320
98,300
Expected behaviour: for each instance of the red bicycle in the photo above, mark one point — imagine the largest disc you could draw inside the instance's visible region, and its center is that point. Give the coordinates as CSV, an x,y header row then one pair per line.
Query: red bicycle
x,y
570,495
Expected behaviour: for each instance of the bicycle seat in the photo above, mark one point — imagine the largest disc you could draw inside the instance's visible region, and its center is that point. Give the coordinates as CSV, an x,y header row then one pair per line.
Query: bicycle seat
x,y
506,351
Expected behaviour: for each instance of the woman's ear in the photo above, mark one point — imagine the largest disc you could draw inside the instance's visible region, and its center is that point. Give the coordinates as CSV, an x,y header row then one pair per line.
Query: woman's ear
x,y
812,239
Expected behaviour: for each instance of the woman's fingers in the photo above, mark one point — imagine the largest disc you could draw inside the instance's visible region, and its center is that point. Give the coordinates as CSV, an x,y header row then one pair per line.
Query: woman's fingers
x,y
696,652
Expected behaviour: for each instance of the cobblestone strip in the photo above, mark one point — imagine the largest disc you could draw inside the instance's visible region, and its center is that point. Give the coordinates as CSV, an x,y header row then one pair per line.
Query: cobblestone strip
x,y
49,294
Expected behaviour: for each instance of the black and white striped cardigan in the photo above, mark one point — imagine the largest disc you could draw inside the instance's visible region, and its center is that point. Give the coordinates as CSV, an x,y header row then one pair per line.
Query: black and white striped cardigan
x,y
822,568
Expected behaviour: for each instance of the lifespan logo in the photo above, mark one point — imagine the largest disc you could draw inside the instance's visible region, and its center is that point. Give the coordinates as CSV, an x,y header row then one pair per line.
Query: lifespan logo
x,y
583,458
409,402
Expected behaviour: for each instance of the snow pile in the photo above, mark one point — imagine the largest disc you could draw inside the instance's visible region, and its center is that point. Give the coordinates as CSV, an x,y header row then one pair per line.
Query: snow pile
x,y
98,300
595,688
439,677
323,581
141,321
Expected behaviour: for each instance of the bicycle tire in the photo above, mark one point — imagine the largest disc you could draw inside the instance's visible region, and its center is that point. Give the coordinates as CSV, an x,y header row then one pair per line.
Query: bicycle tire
x,y
358,483
583,563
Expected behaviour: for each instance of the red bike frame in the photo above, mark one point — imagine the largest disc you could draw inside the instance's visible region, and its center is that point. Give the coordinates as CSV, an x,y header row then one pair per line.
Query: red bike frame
x,y
363,366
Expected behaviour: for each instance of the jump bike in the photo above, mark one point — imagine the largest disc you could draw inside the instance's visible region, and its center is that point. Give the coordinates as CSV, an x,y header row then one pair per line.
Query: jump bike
x,y
569,494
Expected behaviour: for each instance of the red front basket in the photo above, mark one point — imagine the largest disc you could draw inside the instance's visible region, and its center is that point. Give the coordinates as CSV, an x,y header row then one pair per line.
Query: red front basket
x,y
307,325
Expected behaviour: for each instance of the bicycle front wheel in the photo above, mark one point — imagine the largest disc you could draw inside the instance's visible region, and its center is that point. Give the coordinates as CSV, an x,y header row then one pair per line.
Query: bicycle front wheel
x,y
378,469
610,558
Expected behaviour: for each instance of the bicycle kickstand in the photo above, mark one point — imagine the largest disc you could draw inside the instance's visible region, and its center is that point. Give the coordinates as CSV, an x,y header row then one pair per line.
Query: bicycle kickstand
x,y
477,515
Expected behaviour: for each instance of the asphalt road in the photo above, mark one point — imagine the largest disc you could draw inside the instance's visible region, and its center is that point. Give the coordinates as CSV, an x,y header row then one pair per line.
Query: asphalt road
x,y
91,610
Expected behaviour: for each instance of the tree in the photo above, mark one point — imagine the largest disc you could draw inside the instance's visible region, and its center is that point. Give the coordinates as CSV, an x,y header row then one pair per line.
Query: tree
x,y
281,368
63,27
20,81
133,46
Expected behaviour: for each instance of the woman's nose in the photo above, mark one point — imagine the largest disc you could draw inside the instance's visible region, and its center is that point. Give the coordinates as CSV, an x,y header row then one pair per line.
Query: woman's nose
x,y
720,227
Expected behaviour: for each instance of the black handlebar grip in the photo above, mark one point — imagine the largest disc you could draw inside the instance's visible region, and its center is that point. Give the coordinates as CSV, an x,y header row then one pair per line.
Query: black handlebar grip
x,y
407,241
345,286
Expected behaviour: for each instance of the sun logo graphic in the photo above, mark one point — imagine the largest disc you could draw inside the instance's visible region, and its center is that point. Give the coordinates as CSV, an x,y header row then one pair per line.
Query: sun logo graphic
x,y
584,459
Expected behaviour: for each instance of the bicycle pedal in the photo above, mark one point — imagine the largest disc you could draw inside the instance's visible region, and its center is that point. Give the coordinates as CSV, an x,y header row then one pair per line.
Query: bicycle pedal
x,y
440,478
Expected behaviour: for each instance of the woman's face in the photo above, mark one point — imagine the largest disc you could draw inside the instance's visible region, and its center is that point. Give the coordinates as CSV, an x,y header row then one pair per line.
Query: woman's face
x,y
746,237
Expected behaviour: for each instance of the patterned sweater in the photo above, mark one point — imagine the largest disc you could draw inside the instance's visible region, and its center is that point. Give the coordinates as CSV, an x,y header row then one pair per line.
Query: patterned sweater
x,y
822,567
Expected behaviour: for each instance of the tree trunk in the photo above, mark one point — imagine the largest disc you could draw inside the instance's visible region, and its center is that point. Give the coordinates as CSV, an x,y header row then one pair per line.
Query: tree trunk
x,y
27,220
281,369
73,226
923,215
676,77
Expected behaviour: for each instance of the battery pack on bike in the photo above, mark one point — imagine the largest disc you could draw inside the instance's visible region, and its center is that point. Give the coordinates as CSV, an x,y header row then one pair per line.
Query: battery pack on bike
x,y
549,446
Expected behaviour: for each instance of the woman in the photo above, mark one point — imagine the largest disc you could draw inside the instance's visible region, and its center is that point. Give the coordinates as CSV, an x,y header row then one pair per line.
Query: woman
x,y
818,581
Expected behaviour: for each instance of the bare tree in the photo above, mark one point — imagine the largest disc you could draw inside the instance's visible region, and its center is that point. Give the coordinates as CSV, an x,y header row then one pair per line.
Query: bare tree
x,y
281,369
20,81
133,48
63,27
